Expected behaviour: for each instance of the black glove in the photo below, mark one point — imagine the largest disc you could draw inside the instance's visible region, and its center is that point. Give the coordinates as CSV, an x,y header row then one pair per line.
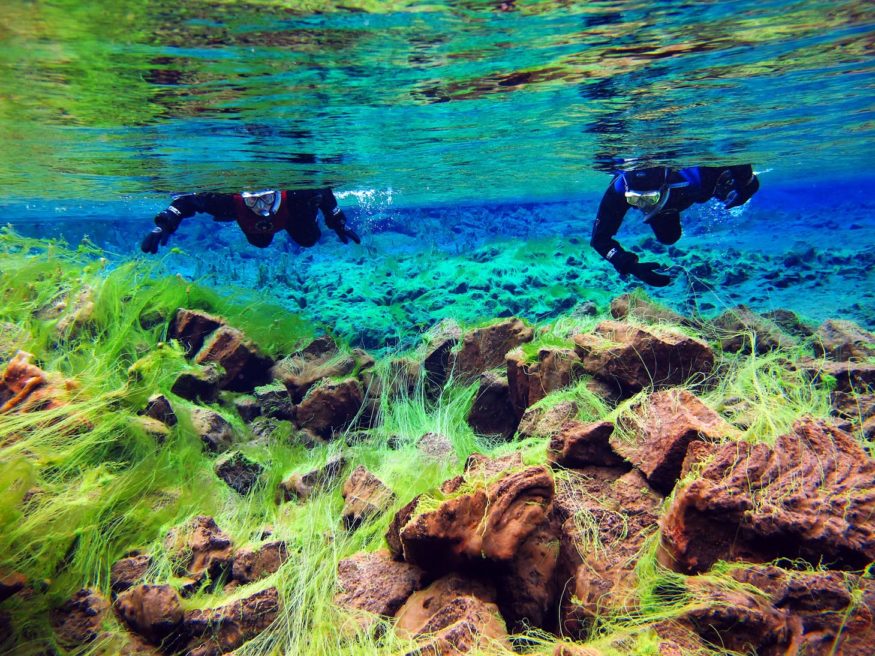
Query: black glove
x,y
646,273
153,239
734,193
337,222
626,263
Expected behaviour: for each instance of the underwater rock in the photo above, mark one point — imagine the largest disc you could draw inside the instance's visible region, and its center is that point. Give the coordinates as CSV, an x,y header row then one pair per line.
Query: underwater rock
x,y
579,444
244,366
11,336
643,309
239,472
452,616
153,611
364,496
811,497
330,407
399,521
129,571
224,629
320,360
844,340
437,359
27,388
274,401
487,524
158,407
740,620
530,381
191,327
632,358
741,330
213,429
663,426
830,618
200,549
546,421
606,518
485,348
11,583
486,468
247,407
852,392
789,322
375,583
198,385
79,316
436,446
254,564
301,486
79,620
492,412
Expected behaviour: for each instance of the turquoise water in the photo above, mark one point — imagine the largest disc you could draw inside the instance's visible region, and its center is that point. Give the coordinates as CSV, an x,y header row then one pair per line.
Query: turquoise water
x,y
443,126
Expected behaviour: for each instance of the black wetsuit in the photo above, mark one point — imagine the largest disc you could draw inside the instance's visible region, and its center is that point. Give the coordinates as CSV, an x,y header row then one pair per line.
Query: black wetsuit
x,y
296,215
732,184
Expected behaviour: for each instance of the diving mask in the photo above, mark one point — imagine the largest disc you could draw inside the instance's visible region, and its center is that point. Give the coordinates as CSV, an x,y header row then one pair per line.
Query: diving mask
x,y
264,203
643,200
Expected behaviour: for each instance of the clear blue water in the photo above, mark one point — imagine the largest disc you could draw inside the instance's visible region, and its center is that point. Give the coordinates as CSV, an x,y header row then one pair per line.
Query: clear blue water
x,y
443,126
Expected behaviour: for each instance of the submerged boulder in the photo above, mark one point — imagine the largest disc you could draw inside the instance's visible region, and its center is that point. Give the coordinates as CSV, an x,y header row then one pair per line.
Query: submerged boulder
x,y
330,407
741,330
812,496
222,630
631,306
579,444
129,571
245,367
632,358
214,430
301,486
191,327
152,611
531,380
79,620
239,472
364,496
375,583
254,564
838,339
24,387
200,548
485,348
492,412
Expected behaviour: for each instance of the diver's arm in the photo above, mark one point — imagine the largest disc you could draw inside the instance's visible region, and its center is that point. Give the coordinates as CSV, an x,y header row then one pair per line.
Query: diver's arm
x,y
610,215
734,185
334,216
220,206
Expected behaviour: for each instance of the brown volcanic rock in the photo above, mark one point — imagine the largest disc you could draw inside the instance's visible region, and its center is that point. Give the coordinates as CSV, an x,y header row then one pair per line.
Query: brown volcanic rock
x,y
436,360
158,407
245,367
579,444
632,358
205,548
607,516
128,571
540,421
668,422
78,621
27,388
629,305
375,583
364,496
200,385
487,524
215,431
812,496
254,564
741,330
301,486
152,611
191,328
11,583
844,340
222,630
452,616
485,348
554,369
492,412
330,407
320,360
399,521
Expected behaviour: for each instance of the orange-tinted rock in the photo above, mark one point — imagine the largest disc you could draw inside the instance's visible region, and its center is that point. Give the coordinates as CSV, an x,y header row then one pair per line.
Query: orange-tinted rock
x,y
254,564
191,327
486,468
214,430
669,421
529,382
302,486
128,571
540,421
631,306
376,583
245,367
811,496
364,496
153,611
492,412
844,340
11,583
741,330
452,616
330,407
207,547
24,387
632,358
579,444
224,629
320,360
489,523
399,521
78,621
485,348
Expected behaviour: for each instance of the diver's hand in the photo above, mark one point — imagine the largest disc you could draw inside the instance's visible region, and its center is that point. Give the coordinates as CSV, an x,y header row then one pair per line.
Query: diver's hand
x,y
646,273
346,234
153,239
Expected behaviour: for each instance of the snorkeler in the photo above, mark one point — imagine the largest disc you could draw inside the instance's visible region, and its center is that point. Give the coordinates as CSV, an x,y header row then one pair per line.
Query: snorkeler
x,y
662,194
259,214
